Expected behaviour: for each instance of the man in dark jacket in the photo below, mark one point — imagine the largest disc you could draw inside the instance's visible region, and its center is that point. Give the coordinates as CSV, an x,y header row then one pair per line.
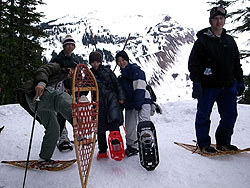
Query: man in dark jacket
x,y
51,102
217,76
111,97
64,58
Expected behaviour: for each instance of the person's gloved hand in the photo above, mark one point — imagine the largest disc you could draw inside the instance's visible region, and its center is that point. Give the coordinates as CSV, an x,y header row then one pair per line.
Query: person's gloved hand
x,y
197,90
240,88
158,109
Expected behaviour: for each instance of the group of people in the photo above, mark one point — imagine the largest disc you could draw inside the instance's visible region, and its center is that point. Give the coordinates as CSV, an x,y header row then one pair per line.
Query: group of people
x,y
52,85
214,67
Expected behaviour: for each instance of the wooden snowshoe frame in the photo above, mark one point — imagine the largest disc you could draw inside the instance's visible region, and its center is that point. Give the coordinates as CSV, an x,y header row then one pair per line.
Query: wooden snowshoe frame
x,y
85,103
33,164
195,149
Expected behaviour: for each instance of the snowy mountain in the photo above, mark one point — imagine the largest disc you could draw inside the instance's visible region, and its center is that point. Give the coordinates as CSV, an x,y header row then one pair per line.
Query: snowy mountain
x,y
155,44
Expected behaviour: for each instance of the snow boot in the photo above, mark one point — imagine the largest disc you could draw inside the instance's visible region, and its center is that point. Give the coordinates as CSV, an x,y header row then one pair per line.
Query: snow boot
x,y
102,155
64,143
130,151
226,148
208,149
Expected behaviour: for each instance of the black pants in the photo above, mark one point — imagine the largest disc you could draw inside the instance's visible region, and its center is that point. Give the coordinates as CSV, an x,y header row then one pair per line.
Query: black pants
x,y
101,137
62,122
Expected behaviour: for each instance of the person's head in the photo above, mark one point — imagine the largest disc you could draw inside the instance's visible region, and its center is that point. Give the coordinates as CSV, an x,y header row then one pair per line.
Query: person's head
x,y
69,67
217,17
122,59
95,59
68,45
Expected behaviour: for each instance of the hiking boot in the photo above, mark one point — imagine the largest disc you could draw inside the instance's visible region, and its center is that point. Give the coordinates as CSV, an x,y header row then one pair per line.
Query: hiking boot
x,y
226,147
130,151
44,163
64,146
208,149
102,155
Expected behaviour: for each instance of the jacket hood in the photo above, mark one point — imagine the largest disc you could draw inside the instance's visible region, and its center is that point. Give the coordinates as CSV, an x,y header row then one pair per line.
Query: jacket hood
x,y
207,31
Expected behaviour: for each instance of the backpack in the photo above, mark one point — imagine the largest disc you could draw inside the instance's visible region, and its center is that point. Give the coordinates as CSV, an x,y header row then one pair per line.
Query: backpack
x,y
152,93
154,107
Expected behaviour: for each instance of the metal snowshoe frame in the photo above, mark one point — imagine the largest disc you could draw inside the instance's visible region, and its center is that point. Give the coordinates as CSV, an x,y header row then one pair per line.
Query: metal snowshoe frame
x,y
147,139
149,155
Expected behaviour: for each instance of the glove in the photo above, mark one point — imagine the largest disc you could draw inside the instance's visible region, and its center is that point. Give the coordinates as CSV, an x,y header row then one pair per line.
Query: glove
x,y
197,90
240,88
158,109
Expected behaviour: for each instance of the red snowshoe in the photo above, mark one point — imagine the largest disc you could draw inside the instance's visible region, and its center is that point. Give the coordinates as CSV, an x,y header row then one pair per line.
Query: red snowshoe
x,y
116,146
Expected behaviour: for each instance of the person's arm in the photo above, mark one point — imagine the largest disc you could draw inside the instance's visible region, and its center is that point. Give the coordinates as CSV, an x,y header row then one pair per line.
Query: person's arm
x,y
194,62
139,85
118,88
42,76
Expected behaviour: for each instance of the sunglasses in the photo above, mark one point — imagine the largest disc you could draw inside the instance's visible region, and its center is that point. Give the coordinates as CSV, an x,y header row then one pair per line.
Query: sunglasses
x,y
219,9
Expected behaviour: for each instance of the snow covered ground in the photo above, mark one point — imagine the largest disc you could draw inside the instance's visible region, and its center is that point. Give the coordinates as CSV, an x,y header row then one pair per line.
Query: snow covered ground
x,y
178,167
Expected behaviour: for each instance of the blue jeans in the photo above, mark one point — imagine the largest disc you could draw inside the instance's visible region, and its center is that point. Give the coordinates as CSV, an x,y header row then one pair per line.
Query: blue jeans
x,y
226,99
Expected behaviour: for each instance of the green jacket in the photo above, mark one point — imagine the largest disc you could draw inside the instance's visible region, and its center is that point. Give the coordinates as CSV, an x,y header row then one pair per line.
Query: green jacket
x,y
50,74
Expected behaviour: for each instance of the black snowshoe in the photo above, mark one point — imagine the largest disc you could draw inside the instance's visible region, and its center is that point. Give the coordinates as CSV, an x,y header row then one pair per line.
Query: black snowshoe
x,y
148,147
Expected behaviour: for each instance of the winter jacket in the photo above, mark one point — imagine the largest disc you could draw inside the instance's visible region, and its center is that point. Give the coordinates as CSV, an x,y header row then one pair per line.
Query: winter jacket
x,y
50,74
133,82
110,92
214,61
66,61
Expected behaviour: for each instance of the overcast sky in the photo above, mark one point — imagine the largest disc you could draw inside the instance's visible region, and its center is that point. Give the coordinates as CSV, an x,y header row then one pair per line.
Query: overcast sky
x,y
189,13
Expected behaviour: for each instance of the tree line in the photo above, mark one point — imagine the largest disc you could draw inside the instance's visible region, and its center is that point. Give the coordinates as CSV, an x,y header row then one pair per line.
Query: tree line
x,y
21,52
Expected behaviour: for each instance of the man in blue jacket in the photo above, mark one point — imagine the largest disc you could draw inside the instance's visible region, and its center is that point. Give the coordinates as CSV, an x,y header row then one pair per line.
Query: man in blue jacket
x,y
217,76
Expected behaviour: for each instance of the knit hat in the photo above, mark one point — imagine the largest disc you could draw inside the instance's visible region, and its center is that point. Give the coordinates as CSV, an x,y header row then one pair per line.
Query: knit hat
x,y
95,56
217,11
122,54
68,40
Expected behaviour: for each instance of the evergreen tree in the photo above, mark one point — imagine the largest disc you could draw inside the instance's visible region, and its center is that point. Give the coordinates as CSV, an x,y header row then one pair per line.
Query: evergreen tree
x,y
240,16
20,51
245,98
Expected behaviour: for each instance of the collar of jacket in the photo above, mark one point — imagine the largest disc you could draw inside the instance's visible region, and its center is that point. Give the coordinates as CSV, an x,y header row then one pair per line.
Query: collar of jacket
x,y
208,32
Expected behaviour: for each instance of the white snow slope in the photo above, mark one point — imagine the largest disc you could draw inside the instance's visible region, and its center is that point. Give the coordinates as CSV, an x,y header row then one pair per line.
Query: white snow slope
x,y
178,167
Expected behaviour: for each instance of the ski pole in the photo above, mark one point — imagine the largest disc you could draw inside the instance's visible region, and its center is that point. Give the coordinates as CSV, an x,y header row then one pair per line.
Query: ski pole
x,y
31,137
123,48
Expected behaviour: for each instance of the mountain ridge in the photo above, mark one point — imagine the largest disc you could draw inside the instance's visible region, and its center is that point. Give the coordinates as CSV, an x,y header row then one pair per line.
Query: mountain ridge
x,y
153,44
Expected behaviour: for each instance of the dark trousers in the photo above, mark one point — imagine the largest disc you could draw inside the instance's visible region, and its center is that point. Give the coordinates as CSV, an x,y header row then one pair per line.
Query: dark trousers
x,y
62,122
226,100
101,137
